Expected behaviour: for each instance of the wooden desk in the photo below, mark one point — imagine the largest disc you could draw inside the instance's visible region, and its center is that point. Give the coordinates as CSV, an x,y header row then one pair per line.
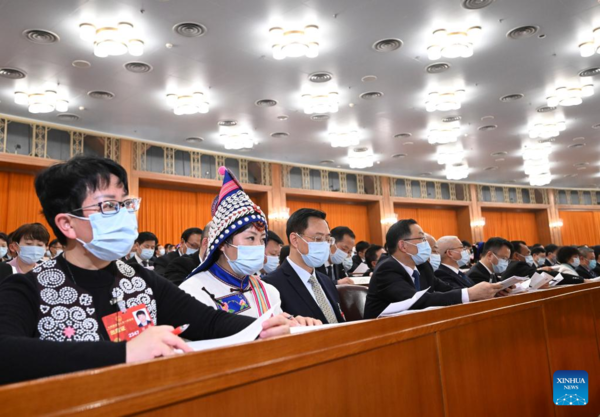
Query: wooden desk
x,y
492,358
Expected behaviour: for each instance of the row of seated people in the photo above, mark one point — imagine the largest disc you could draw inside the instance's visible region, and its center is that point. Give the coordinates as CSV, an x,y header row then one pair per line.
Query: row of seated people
x,y
81,294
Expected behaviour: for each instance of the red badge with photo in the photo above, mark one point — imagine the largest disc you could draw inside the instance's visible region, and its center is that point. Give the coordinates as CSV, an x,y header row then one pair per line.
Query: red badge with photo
x,y
124,326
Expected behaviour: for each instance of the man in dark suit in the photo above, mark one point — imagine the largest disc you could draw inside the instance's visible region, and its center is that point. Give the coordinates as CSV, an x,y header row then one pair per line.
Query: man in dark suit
x,y
5,271
179,268
407,271
522,262
451,249
191,240
587,263
494,260
303,290
143,250
551,251
372,256
597,255
360,257
340,254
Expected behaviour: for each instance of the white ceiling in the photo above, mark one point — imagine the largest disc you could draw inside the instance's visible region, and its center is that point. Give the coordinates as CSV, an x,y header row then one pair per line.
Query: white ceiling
x,y
233,65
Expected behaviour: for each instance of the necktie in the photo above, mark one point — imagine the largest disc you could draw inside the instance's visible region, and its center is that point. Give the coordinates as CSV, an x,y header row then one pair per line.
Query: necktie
x,y
462,275
322,300
145,263
417,278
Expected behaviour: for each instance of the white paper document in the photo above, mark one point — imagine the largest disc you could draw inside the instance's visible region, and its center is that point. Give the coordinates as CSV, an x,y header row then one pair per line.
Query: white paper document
x,y
306,329
556,280
512,281
361,280
395,308
539,280
248,334
521,287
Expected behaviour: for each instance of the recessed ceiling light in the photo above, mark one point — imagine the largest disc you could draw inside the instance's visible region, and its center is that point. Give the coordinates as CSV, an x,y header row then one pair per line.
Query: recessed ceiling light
x,y
189,29
403,135
451,119
282,117
194,140
476,4
371,95
115,40
501,153
487,128
138,67
350,104
320,77
399,155
522,32
294,42
12,73
499,160
69,117
408,143
576,146
369,78
581,164
80,63
280,135
545,109
494,168
41,36
266,103
227,123
101,95
326,161
361,149
319,117
453,43
387,45
81,108
512,97
579,139
596,126
437,68
487,117
590,72
168,45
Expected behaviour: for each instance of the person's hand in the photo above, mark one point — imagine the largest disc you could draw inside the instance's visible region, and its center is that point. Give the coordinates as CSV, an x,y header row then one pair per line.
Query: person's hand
x,y
154,342
345,281
546,268
278,325
307,321
483,291
505,291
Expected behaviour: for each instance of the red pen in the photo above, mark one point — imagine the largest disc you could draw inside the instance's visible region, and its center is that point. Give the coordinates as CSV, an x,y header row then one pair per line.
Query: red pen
x,y
180,329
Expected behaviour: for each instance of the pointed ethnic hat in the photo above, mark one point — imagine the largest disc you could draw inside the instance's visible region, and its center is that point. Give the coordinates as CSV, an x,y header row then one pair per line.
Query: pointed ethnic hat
x,y
232,209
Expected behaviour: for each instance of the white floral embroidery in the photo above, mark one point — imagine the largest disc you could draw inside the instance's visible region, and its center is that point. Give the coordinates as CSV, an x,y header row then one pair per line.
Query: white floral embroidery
x,y
68,324
66,295
85,299
136,284
125,269
51,278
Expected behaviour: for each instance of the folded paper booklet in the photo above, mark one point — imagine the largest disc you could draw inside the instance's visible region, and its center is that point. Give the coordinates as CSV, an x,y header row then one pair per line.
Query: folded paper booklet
x,y
514,280
539,280
248,334
556,280
521,287
361,280
395,308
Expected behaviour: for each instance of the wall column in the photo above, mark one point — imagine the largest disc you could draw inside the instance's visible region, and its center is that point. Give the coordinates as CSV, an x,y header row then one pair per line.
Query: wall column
x,y
474,215
277,202
126,161
553,216
386,211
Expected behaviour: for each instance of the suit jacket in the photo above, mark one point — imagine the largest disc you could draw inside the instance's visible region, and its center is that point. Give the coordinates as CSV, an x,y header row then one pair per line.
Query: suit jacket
x,y
356,261
338,271
519,269
178,270
160,265
133,262
456,281
584,273
548,263
597,270
295,297
391,283
5,271
479,273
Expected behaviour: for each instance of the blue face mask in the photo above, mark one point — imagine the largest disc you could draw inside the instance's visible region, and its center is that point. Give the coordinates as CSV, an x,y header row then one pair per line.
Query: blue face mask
x,y
576,262
502,265
3,252
250,259
190,251
529,260
146,254
113,236
541,261
318,253
435,260
347,263
30,255
593,264
465,257
423,254
338,257
272,264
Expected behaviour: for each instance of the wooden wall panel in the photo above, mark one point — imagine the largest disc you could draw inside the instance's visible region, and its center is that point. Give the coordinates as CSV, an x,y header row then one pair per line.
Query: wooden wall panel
x,y
511,225
437,222
580,227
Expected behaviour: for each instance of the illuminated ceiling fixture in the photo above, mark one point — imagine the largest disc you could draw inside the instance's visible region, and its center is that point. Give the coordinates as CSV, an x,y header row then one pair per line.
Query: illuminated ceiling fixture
x,y
188,104
321,103
570,96
444,101
592,46
453,44
112,41
537,163
295,43
344,139
42,102
235,138
458,171
446,133
360,158
448,155
547,130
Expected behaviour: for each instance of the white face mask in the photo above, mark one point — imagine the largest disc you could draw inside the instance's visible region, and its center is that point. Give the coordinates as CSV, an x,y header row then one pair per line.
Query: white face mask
x,y
272,264
347,262
161,252
146,254
3,251
338,256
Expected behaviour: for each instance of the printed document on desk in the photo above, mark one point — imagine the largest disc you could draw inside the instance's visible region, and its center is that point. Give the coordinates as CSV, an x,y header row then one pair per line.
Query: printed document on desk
x,y
395,308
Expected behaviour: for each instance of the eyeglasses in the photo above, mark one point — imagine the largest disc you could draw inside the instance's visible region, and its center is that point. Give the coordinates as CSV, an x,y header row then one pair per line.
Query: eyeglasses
x,y
422,239
112,207
320,239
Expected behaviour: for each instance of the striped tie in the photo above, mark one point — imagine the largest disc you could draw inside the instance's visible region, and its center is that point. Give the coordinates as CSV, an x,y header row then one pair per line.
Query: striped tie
x,y
322,300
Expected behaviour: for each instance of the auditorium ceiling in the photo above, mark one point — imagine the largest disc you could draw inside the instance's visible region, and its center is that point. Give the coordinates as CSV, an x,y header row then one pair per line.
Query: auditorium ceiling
x,y
232,63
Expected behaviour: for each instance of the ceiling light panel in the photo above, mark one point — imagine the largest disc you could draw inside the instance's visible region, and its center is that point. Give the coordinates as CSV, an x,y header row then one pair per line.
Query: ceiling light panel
x,y
592,45
188,103
360,158
570,95
344,139
321,103
547,129
294,43
458,171
112,40
453,43
444,133
42,101
444,100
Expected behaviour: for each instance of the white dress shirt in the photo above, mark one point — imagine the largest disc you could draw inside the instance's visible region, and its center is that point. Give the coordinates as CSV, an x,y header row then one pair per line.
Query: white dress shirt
x,y
304,277
464,292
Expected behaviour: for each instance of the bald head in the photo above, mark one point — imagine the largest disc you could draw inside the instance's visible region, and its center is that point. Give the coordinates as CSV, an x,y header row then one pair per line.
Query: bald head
x,y
450,248
432,242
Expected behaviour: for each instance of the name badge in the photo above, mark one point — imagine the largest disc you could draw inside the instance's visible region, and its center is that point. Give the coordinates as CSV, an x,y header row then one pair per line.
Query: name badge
x,y
124,326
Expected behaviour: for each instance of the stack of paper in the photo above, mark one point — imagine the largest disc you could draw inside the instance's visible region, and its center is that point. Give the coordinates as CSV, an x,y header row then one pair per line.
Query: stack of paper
x,y
539,280
521,287
361,280
395,308
556,280
306,329
514,280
